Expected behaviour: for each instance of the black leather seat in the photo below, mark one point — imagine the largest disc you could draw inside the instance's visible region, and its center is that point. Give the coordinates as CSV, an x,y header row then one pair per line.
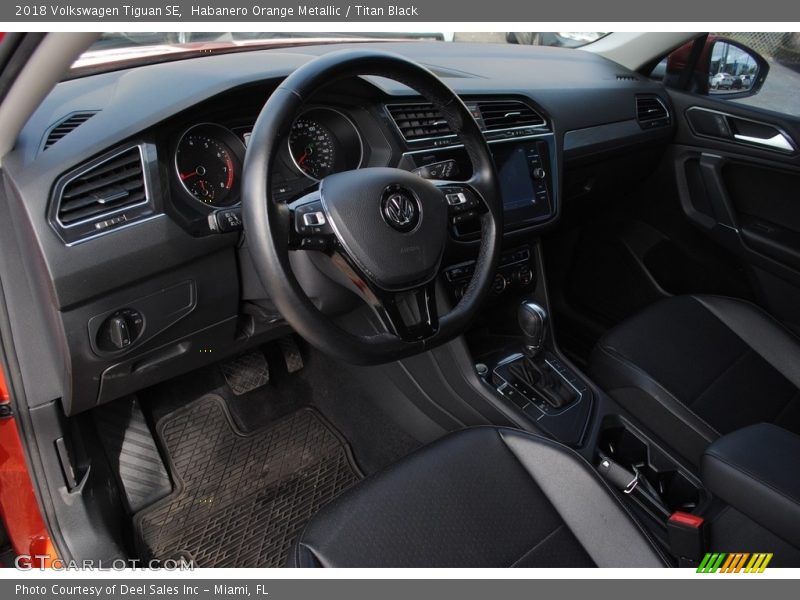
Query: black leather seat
x,y
692,368
482,497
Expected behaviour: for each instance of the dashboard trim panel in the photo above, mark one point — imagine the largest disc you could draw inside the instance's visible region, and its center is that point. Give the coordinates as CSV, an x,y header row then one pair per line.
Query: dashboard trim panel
x,y
56,196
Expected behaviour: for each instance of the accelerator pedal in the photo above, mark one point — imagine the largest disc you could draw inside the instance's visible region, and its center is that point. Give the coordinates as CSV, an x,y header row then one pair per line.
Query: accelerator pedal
x,y
291,354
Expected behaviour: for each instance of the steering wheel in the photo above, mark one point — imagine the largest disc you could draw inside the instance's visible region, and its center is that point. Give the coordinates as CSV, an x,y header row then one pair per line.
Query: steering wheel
x,y
385,229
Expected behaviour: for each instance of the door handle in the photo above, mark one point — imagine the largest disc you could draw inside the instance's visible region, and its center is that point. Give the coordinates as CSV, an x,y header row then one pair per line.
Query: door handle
x,y
777,142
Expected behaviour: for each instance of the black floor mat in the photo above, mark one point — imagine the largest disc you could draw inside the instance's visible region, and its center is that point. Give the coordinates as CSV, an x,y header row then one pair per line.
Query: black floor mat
x,y
241,499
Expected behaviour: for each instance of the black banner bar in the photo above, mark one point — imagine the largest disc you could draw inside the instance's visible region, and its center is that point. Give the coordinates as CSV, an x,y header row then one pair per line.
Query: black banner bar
x,y
379,11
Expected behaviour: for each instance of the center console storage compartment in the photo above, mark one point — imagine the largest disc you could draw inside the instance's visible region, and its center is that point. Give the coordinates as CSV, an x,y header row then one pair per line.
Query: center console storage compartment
x,y
663,487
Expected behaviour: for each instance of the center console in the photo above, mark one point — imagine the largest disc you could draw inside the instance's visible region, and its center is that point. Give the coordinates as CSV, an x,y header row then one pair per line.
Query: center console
x,y
525,173
515,273
511,349
518,364
542,386
525,371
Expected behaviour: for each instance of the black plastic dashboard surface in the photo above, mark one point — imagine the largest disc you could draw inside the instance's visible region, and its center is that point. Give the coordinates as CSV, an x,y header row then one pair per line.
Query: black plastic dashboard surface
x,y
155,105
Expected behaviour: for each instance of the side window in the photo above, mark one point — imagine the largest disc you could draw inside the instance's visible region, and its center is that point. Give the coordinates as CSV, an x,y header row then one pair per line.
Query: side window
x,y
759,69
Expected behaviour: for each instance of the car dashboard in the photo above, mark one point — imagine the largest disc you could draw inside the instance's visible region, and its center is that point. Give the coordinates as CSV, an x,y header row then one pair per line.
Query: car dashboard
x,y
125,190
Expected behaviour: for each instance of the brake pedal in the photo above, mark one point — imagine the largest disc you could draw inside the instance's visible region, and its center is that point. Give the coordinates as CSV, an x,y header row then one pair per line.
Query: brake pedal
x,y
246,372
291,354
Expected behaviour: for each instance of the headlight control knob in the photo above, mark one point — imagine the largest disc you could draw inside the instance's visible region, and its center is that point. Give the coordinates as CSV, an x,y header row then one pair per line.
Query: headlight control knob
x,y
120,330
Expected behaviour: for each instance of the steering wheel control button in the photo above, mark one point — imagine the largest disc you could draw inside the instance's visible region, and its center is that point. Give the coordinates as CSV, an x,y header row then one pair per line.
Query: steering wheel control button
x,y
319,244
464,217
310,220
456,198
459,202
314,219
400,209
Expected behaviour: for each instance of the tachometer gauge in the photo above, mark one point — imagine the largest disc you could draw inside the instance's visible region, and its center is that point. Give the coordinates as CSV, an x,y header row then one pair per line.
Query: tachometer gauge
x,y
312,147
207,167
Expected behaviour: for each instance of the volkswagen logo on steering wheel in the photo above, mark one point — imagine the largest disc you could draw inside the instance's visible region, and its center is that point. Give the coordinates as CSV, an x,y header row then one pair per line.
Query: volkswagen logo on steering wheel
x,y
400,209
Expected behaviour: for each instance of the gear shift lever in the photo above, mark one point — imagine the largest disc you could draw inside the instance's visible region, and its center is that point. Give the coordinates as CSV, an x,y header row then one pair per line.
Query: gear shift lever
x,y
533,370
532,320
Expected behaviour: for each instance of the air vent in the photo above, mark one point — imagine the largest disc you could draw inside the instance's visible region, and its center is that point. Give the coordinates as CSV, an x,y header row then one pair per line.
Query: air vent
x,y
67,125
419,121
626,77
110,186
507,115
651,112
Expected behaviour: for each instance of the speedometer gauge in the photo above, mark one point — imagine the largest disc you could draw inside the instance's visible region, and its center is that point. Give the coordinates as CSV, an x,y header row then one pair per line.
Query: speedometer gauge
x,y
207,166
312,147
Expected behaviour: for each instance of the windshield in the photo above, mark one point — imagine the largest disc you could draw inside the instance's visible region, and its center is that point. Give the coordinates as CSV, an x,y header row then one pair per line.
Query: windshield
x,y
117,49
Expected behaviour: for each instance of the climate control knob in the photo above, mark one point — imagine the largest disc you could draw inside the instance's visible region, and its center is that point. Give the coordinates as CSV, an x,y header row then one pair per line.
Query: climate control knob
x,y
499,284
523,276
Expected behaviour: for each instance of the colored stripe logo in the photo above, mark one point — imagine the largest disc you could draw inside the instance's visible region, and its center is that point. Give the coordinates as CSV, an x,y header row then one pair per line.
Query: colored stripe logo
x,y
737,562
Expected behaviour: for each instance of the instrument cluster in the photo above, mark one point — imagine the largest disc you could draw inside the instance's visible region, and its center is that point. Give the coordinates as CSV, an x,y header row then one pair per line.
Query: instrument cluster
x,y
208,158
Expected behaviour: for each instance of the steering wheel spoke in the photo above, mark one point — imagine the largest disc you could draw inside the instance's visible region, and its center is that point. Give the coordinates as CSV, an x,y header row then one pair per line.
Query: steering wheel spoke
x,y
310,225
410,314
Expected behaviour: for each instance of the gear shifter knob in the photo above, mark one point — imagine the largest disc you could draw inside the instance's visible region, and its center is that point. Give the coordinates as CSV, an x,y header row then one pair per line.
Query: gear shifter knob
x,y
532,320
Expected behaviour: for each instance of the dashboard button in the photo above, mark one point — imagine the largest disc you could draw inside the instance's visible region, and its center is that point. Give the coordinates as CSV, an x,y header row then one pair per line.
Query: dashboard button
x,y
499,284
523,275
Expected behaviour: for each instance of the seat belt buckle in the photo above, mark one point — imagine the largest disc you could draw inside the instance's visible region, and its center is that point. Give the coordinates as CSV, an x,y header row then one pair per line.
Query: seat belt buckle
x,y
688,537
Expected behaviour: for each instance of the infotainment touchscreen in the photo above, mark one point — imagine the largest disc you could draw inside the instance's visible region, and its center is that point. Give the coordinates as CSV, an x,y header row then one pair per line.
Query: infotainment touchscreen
x,y
522,171
515,179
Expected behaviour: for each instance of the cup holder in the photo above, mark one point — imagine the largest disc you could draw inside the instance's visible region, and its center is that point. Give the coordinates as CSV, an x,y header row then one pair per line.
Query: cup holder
x,y
665,488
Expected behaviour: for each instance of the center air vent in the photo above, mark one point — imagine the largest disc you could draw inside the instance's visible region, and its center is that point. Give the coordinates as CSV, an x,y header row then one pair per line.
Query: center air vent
x,y
651,112
508,114
419,121
67,125
109,193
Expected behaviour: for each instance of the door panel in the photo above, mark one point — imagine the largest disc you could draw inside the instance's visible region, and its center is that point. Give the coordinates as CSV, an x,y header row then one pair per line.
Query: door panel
x,y
738,175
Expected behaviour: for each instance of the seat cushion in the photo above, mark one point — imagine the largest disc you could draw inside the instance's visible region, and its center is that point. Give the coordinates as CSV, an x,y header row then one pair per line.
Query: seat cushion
x,y
482,497
692,368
